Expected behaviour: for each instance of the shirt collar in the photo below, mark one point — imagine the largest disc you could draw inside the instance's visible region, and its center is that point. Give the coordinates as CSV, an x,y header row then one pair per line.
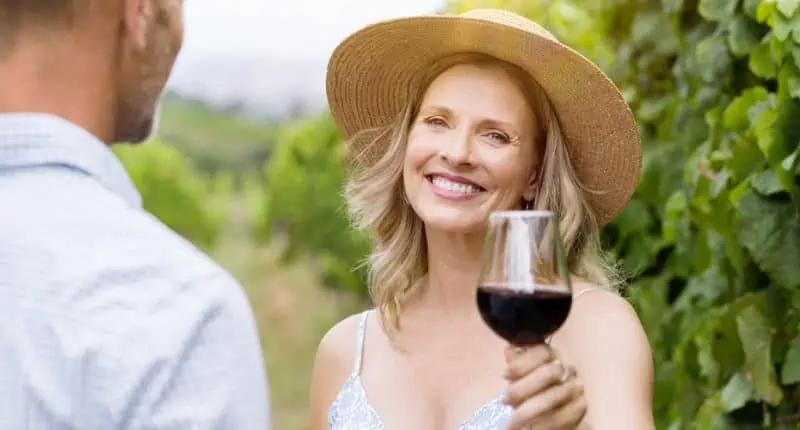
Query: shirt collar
x,y
40,139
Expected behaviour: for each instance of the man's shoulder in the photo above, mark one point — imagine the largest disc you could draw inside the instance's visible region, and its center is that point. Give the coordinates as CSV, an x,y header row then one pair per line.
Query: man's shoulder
x,y
92,247
79,215
168,271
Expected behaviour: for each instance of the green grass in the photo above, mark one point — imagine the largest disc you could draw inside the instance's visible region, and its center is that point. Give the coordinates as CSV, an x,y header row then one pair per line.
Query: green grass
x,y
292,309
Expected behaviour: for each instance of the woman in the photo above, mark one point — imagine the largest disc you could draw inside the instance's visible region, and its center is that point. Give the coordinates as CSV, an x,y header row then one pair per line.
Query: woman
x,y
447,119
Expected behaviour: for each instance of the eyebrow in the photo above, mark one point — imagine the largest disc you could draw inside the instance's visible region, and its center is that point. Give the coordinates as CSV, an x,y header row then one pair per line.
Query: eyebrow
x,y
491,122
436,109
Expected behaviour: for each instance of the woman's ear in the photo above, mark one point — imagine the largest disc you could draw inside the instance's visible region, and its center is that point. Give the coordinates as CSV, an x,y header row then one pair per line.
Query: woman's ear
x,y
531,189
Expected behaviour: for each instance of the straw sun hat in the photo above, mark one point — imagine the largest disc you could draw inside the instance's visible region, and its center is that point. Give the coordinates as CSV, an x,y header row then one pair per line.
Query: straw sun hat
x,y
370,72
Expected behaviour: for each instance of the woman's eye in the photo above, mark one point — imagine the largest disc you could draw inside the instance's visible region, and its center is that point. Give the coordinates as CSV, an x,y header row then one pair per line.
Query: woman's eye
x,y
499,137
436,121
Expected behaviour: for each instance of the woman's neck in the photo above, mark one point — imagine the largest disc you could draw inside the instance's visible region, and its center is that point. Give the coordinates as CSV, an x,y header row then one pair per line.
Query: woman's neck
x,y
453,270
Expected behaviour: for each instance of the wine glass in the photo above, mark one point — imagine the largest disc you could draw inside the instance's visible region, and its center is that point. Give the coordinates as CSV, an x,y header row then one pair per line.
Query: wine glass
x,y
524,292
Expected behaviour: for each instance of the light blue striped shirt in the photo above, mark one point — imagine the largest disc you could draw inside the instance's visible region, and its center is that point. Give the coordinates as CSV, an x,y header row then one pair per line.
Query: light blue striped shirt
x,y
109,320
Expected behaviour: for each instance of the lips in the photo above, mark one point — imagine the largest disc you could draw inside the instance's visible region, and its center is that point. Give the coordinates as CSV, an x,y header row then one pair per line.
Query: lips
x,y
452,184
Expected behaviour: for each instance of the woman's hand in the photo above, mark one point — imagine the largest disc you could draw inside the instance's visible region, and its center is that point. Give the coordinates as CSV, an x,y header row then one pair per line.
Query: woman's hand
x,y
544,392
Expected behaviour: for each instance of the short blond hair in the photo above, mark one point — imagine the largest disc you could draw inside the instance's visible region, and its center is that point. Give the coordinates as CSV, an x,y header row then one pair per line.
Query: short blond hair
x,y
376,203
46,14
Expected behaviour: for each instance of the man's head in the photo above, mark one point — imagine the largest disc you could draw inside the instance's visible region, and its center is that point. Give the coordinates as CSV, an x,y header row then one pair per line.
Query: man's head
x,y
100,63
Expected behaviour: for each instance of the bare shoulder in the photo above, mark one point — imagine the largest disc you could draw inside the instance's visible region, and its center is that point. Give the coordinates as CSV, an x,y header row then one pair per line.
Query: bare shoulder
x,y
333,364
606,342
606,319
337,347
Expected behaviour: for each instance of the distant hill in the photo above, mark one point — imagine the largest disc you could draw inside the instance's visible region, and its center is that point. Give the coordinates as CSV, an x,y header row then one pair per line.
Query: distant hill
x,y
215,139
268,88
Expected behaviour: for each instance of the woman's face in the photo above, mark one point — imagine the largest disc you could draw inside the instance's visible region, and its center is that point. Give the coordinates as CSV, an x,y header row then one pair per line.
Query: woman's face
x,y
470,149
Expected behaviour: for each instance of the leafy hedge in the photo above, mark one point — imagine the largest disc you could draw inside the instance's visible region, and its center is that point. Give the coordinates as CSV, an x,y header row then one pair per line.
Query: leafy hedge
x,y
302,201
193,205
712,235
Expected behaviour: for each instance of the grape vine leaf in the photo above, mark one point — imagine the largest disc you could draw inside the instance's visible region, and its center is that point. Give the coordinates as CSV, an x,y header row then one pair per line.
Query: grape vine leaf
x,y
755,334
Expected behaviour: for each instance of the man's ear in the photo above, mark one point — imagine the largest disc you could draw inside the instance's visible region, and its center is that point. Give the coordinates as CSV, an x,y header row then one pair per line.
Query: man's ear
x,y
137,16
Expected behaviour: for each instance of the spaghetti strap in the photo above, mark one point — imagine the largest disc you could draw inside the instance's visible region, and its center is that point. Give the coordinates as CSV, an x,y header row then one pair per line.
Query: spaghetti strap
x,y
362,329
587,290
575,297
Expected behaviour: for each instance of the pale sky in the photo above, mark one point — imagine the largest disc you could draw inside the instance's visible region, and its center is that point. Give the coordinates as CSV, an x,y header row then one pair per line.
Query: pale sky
x,y
296,28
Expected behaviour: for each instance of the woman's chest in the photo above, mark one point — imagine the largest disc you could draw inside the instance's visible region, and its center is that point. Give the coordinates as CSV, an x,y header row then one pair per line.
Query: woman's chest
x,y
440,386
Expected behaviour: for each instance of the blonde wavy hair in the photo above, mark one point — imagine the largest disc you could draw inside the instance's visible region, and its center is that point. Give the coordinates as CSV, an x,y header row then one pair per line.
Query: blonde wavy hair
x,y
376,201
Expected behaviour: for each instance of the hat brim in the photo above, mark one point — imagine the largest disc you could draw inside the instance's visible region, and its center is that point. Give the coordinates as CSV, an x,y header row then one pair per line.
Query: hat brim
x,y
369,74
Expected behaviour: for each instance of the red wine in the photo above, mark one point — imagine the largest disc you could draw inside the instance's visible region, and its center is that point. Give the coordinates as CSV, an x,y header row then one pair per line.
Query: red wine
x,y
524,316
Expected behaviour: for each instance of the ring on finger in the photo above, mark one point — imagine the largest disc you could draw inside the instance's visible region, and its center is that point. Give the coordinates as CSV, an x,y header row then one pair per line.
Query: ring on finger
x,y
566,372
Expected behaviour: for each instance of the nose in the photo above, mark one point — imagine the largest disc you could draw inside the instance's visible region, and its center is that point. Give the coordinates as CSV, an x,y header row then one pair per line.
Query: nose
x,y
458,149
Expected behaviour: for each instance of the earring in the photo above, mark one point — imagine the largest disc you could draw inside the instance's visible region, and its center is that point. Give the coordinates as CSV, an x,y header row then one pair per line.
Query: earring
x,y
527,205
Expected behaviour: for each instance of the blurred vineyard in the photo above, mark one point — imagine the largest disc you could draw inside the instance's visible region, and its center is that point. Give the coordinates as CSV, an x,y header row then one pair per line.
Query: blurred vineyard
x,y
204,175
711,239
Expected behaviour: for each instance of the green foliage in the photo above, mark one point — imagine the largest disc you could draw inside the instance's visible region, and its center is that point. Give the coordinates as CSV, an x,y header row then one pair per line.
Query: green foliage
x,y
713,232
253,189
216,141
302,198
193,205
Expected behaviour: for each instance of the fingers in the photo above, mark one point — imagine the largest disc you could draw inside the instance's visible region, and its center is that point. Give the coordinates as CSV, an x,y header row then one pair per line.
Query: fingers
x,y
513,351
541,378
572,414
561,406
542,390
521,363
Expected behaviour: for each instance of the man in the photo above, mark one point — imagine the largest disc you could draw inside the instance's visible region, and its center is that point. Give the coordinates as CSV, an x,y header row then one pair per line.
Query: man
x,y
108,320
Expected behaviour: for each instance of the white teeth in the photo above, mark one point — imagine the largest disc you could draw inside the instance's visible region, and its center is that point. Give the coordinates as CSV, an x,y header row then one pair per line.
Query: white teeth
x,y
456,187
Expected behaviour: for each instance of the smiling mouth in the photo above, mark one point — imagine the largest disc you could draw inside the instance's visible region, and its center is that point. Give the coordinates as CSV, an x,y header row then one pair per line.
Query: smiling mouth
x,y
451,186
